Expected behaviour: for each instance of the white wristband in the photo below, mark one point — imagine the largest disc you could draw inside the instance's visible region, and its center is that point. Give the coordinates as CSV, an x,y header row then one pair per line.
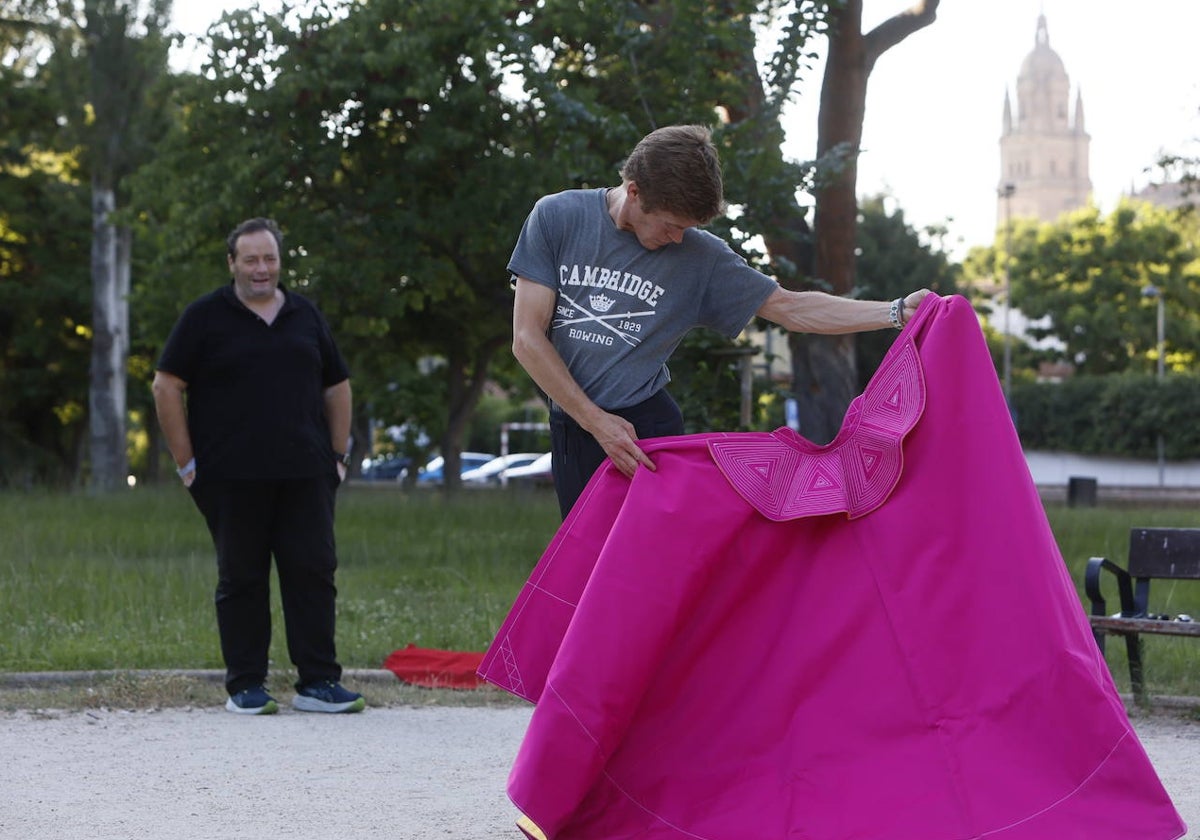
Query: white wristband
x,y
190,466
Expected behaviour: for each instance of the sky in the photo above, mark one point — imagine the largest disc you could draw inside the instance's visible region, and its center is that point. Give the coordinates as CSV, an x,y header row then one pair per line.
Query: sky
x,y
935,101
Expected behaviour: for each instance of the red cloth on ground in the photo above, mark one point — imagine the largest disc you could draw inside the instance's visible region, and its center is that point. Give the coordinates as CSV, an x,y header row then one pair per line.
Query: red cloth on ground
x,y
435,668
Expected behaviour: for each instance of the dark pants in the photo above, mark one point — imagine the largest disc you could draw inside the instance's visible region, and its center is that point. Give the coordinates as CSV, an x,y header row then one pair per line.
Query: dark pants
x,y
576,455
293,520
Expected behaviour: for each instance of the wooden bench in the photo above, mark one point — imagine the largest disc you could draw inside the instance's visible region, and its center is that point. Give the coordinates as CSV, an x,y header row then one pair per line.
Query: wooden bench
x,y
1162,553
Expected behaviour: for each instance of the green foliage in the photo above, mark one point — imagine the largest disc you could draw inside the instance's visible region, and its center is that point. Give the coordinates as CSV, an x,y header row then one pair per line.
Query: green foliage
x,y
80,95
1111,415
497,409
377,136
45,306
1086,276
706,382
893,260
401,145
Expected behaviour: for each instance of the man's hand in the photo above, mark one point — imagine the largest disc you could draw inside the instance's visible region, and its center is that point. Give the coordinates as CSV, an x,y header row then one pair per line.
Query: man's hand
x,y
187,473
912,301
617,437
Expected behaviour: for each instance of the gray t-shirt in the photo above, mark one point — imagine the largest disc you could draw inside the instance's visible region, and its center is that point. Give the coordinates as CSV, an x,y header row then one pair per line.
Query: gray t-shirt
x,y
623,309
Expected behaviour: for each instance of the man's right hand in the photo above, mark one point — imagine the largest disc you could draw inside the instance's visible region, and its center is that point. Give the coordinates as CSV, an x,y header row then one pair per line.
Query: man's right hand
x,y
618,438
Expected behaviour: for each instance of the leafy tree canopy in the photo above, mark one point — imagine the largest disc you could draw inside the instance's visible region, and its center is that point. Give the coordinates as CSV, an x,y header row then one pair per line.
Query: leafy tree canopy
x,y
1086,280
401,144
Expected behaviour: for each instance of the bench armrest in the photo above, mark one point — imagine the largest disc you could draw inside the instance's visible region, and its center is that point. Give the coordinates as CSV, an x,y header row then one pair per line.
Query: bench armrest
x,y
1091,583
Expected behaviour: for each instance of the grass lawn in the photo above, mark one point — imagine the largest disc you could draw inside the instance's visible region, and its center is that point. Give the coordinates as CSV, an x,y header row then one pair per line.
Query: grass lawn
x,y
126,581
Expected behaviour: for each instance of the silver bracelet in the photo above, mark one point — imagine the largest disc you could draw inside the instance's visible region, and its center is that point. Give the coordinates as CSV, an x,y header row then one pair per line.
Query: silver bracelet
x,y
896,313
190,466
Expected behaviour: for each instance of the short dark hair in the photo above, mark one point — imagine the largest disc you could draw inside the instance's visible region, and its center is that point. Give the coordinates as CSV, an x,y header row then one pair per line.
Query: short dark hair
x,y
253,226
677,169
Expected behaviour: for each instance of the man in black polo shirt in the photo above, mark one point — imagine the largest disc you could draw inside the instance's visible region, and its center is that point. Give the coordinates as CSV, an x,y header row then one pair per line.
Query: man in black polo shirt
x,y
253,398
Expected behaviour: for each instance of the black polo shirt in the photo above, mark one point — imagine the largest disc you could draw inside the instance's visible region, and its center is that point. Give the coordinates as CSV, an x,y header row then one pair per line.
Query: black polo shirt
x,y
255,391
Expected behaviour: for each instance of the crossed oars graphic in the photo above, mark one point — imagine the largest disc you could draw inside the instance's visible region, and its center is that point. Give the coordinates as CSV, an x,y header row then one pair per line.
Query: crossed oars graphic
x,y
601,319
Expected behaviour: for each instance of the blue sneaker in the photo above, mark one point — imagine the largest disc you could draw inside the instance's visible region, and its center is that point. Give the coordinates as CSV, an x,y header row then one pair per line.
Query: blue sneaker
x,y
327,696
252,701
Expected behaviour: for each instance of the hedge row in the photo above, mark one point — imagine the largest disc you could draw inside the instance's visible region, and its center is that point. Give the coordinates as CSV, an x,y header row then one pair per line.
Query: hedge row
x,y
1119,416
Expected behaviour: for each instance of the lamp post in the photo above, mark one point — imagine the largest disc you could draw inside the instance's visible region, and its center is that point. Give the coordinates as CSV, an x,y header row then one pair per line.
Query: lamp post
x,y
1155,292
1006,193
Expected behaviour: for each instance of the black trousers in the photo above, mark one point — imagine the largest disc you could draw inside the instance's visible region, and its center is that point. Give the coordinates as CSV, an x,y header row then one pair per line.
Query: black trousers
x,y
575,454
292,520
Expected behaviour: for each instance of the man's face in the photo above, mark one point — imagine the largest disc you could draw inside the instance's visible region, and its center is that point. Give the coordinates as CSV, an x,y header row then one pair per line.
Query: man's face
x,y
255,266
656,228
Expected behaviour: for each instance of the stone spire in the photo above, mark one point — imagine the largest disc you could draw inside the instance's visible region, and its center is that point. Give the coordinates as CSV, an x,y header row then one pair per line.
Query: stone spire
x,y
1043,146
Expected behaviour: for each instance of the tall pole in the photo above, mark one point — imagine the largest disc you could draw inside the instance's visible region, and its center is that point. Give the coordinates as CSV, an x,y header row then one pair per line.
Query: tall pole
x,y
1162,360
1160,300
1006,192
1162,338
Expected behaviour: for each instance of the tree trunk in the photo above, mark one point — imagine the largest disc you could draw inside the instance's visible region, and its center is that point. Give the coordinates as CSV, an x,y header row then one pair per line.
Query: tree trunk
x,y
816,373
110,342
467,378
824,372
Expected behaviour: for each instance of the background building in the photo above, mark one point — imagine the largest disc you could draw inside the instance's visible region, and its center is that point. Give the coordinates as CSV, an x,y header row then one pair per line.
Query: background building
x,y
1043,146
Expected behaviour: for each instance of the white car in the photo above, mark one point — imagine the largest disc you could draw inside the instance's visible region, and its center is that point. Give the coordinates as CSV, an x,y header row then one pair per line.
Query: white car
x,y
431,474
536,473
489,474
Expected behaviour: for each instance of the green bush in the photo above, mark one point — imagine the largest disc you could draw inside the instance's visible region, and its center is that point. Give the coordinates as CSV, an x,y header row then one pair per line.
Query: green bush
x,y
1119,416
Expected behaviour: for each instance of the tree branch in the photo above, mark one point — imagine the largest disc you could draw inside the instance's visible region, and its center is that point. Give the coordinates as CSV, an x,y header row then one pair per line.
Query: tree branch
x,y
898,27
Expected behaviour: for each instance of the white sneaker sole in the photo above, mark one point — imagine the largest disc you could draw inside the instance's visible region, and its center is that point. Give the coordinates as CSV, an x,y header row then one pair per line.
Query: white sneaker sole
x,y
311,704
268,709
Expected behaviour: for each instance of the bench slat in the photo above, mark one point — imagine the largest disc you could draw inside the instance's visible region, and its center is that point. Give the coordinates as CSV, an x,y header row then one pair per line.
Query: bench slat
x,y
1144,625
1164,553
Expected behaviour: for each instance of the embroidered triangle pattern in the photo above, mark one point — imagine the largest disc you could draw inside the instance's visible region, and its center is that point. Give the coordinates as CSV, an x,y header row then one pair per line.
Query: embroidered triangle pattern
x,y
786,477
869,458
514,683
753,463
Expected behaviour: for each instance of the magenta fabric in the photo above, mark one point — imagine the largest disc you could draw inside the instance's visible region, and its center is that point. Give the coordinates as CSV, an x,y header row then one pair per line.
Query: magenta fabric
x,y
871,639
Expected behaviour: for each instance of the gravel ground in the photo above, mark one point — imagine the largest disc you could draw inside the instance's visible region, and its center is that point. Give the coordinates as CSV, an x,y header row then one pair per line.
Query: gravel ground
x,y
397,773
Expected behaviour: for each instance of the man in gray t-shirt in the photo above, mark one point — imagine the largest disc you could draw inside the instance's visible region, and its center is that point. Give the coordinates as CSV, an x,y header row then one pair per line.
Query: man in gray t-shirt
x,y
608,281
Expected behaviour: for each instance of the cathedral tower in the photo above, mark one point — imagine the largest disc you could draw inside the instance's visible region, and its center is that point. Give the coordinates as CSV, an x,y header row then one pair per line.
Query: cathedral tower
x,y
1044,150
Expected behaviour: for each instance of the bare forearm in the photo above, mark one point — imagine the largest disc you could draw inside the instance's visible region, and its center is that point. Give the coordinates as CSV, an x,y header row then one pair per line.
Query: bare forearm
x,y
338,404
172,419
532,311
818,312
545,367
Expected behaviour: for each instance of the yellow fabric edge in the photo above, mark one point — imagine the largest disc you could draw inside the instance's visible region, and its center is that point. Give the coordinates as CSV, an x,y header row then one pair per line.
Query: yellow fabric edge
x,y
529,827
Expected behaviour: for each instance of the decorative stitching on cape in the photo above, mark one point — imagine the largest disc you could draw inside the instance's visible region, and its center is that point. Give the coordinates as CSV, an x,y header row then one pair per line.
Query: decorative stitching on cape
x,y
784,476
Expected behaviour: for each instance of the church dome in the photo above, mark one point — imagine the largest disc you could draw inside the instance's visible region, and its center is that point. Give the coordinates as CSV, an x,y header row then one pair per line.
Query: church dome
x,y
1042,62
1043,146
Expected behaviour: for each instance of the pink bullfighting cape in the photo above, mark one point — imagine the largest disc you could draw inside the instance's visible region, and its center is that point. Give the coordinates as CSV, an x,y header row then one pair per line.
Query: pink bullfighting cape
x,y
875,639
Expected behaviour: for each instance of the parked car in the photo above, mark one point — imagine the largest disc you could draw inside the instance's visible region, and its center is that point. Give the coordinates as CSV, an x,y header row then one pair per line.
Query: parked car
x,y
431,474
489,474
387,468
535,474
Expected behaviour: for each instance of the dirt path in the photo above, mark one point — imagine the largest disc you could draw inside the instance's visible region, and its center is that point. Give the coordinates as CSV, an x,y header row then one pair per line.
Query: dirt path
x,y
394,773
